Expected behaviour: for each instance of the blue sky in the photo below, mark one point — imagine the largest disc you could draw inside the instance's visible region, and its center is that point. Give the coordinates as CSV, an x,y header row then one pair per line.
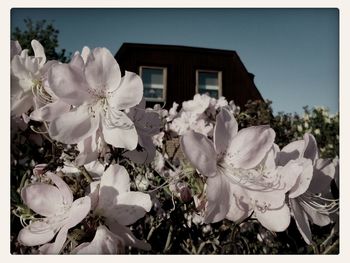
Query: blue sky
x,y
293,53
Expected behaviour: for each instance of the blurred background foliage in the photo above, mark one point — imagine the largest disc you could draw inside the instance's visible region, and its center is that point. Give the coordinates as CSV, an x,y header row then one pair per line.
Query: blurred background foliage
x,y
46,34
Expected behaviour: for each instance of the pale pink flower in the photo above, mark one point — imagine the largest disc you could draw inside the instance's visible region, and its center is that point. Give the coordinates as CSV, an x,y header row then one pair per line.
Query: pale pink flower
x,y
237,164
118,205
98,95
147,123
198,105
189,121
26,73
104,242
16,49
48,106
308,198
55,204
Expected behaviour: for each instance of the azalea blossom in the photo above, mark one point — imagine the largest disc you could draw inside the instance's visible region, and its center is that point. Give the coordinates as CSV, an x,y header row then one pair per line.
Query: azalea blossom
x,y
240,172
147,123
308,197
59,214
198,105
120,207
104,242
47,105
26,75
189,121
98,95
16,49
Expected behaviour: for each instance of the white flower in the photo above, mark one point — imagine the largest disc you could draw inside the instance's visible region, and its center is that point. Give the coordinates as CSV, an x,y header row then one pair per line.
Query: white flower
x,y
236,184
104,242
60,213
99,94
16,49
118,205
147,123
157,139
307,197
26,73
198,105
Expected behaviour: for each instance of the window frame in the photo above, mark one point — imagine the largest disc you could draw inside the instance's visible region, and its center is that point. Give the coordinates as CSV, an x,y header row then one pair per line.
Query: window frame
x,y
219,72
165,78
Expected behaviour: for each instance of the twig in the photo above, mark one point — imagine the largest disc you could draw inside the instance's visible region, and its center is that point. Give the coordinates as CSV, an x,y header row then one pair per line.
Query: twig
x,y
86,174
330,248
167,244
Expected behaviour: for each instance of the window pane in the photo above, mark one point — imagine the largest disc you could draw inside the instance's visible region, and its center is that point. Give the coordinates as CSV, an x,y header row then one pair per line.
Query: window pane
x,y
153,83
208,82
152,76
153,93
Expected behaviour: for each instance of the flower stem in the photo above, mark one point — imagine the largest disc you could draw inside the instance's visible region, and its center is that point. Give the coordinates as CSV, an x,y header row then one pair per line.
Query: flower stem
x,y
86,174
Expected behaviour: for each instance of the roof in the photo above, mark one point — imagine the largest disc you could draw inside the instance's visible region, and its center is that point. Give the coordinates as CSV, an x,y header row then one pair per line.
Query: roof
x,y
160,47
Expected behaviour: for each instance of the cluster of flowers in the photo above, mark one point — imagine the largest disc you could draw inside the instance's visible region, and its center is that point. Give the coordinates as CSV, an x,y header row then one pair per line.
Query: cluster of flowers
x,y
89,106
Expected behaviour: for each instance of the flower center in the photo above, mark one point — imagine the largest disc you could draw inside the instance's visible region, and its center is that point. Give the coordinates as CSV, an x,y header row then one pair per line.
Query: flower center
x,y
40,93
319,203
257,179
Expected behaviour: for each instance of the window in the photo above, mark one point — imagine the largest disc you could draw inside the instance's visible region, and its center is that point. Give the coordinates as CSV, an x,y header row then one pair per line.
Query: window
x,y
209,82
154,83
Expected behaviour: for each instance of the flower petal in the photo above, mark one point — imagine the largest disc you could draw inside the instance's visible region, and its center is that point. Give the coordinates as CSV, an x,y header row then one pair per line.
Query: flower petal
x,y
102,71
119,131
85,53
38,51
144,155
69,84
129,93
22,103
55,247
218,196
302,221
130,207
289,174
78,211
43,199
250,146
324,171
240,206
310,150
77,61
37,233
64,189
226,128
15,48
104,242
87,150
74,126
200,152
315,216
291,151
50,111
117,177
303,181
114,181
125,233
276,220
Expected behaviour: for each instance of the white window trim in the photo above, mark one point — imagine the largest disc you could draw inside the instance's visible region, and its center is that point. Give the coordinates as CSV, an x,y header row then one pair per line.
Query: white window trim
x,y
156,86
210,88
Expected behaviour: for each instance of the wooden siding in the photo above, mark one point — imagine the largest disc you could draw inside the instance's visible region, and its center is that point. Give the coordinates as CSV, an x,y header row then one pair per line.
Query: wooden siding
x,y
182,63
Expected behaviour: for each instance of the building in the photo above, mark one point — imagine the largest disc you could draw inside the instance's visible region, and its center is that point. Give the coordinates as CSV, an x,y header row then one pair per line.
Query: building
x,y
176,73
